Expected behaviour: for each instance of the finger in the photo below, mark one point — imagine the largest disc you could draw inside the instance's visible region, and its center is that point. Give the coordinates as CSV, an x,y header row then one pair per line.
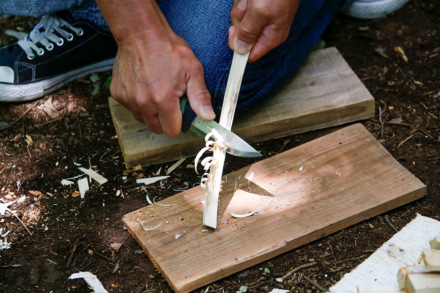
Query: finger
x,y
170,118
268,40
153,123
232,31
238,11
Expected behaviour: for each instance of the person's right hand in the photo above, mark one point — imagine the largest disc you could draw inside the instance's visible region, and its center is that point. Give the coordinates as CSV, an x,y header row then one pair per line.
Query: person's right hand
x,y
154,67
259,26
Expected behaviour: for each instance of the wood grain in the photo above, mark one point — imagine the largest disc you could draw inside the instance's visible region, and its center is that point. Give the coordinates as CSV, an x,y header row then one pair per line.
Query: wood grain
x,y
298,196
324,93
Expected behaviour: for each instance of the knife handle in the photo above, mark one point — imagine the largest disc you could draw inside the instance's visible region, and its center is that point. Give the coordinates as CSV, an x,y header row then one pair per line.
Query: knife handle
x,y
188,114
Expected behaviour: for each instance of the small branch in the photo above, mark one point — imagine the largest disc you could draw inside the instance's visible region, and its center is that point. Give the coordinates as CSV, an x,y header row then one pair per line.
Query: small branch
x,y
390,224
315,284
404,141
75,246
304,266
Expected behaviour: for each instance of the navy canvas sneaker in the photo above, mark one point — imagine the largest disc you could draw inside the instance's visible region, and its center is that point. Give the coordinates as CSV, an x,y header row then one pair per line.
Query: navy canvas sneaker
x,y
56,51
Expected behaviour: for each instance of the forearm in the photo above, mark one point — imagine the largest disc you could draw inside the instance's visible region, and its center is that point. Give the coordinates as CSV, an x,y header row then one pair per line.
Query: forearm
x,y
130,19
154,67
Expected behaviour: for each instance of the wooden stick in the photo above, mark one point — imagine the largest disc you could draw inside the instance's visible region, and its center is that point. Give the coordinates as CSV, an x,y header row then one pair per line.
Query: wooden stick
x,y
431,257
423,283
435,243
226,118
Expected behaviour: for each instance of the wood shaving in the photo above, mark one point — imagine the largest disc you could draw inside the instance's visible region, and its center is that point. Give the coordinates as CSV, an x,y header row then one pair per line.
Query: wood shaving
x,y
148,181
242,215
215,144
149,228
94,175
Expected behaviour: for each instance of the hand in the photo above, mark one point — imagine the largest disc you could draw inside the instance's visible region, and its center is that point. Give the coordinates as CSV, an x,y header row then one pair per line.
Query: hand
x,y
150,76
154,67
259,26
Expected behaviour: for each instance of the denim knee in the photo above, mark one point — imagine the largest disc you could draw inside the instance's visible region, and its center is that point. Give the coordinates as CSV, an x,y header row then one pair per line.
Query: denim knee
x,y
37,8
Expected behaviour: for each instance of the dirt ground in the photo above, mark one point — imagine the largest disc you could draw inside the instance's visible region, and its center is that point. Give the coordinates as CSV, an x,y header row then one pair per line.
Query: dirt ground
x,y
398,59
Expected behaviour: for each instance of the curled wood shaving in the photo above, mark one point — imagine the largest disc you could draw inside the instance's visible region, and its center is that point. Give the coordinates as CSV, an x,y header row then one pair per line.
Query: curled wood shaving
x,y
215,144
158,204
149,228
241,215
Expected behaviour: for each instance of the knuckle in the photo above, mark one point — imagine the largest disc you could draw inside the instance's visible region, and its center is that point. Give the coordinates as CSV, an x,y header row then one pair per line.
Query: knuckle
x,y
249,32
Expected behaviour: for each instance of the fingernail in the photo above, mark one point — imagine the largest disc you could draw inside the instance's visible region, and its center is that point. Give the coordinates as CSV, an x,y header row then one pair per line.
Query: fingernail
x,y
241,47
208,112
241,5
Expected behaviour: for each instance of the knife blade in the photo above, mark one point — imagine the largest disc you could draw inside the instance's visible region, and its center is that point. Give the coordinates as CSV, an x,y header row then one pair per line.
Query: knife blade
x,y
235,145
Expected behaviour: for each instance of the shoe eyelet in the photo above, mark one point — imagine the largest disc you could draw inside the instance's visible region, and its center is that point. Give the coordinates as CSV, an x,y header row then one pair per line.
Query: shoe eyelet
x,y
70,38
40,52
60,42
31,57
80,32
50,47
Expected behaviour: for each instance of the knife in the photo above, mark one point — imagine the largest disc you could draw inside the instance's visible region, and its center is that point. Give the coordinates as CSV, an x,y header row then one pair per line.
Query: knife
x,y
235,145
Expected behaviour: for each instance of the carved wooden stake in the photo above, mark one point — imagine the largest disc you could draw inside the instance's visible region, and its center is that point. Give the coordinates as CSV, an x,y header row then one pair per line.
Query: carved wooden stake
x,y
226,118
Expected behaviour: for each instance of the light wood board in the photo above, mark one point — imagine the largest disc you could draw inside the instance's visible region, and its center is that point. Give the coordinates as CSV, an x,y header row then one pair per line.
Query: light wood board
x,y
403,250
325,92
298,196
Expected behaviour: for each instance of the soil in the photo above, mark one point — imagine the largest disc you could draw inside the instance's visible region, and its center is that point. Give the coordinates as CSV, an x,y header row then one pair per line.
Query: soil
x,y
58,233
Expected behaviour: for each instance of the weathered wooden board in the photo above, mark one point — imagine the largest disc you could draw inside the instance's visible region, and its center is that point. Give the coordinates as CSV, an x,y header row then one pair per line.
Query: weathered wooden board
x,y
298,196
324,93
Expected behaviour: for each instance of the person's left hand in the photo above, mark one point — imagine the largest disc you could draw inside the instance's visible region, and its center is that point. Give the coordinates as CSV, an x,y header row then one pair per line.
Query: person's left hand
x,y
259,26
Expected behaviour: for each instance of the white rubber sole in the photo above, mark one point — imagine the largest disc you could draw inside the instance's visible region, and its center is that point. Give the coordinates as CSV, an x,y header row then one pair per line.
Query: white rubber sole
x,y
372,9
35,90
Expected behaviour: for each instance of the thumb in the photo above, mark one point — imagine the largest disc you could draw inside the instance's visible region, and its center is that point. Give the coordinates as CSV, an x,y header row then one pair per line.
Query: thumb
x,y
199,97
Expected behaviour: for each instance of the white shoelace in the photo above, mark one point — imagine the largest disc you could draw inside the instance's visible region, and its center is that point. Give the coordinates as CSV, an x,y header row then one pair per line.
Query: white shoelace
x,y
44,33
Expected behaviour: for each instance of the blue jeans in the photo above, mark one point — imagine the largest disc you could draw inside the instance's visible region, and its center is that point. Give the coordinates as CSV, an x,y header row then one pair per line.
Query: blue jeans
x,y
204,25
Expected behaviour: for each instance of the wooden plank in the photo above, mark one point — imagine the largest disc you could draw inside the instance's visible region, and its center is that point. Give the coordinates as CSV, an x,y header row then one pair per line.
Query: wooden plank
x,y
369,289
401,251
423,283
298,196
324,93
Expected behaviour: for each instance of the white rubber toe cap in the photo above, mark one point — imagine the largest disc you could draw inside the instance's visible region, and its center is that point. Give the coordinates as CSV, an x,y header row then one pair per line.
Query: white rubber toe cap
x,y
6,74
372,9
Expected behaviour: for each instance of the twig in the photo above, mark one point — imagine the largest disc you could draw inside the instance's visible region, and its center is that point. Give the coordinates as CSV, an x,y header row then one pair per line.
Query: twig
x,y
315,284
304,266
14,213
381,122
399,123
103,256
25,112
353,258
75,246
50,121
390,224
426,133
12,266
404,141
